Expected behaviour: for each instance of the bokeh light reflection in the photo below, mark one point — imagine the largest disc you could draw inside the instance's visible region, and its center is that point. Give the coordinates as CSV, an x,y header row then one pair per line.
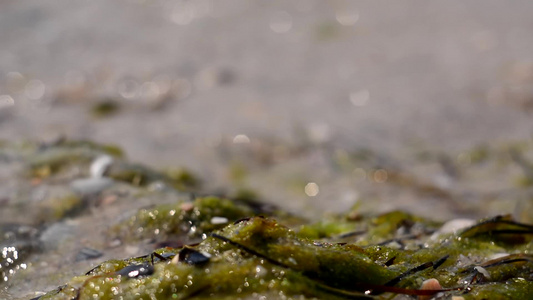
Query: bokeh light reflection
x,y
311,189
241,139
347,17
9,264
15,82
380,176
149,91
6,101
34,89
128,89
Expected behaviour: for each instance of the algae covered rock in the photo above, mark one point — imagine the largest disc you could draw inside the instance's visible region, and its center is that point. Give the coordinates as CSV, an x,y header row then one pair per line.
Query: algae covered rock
x,y
182,219
158,240
259,257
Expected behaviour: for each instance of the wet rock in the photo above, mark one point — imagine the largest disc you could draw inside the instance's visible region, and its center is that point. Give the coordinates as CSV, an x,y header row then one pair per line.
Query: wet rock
x,y
135,271
192,257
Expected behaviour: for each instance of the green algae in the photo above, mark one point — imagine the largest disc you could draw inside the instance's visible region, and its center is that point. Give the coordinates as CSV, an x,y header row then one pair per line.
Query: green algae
x,y
138,175
47,160
190,219
261,257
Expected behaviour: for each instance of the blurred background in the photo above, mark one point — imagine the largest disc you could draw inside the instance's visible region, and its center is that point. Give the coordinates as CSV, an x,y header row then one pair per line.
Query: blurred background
x,y
313,105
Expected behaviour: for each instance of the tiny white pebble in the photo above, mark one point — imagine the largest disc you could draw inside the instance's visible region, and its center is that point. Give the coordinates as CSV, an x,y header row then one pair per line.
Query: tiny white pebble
x,y
100,165
219,220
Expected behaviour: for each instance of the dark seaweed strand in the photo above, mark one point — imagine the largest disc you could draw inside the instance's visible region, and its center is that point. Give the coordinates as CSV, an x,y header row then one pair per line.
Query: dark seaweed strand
x,y
161,257
508,231
409,272
390,261
440,261
417,269
508,261
527,229
523,225
371,289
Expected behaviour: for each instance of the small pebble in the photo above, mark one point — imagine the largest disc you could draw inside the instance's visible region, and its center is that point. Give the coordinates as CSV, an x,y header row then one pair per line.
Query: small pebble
x,y
134,271
100,165
430,284
219,220
192,257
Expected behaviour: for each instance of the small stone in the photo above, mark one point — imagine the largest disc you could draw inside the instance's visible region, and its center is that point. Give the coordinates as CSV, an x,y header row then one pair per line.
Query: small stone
x,y
100,165
430,284
219,220
192,257
135,271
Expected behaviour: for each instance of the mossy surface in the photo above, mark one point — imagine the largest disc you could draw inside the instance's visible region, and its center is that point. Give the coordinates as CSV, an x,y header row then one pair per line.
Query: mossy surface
x,y
260,257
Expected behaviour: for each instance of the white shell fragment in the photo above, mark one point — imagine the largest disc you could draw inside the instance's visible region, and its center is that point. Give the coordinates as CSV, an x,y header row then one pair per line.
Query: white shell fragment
x,y
100,165
219,220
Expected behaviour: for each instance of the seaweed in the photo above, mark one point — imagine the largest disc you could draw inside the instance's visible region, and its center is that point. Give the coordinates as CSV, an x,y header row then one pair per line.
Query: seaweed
x,y
260,256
